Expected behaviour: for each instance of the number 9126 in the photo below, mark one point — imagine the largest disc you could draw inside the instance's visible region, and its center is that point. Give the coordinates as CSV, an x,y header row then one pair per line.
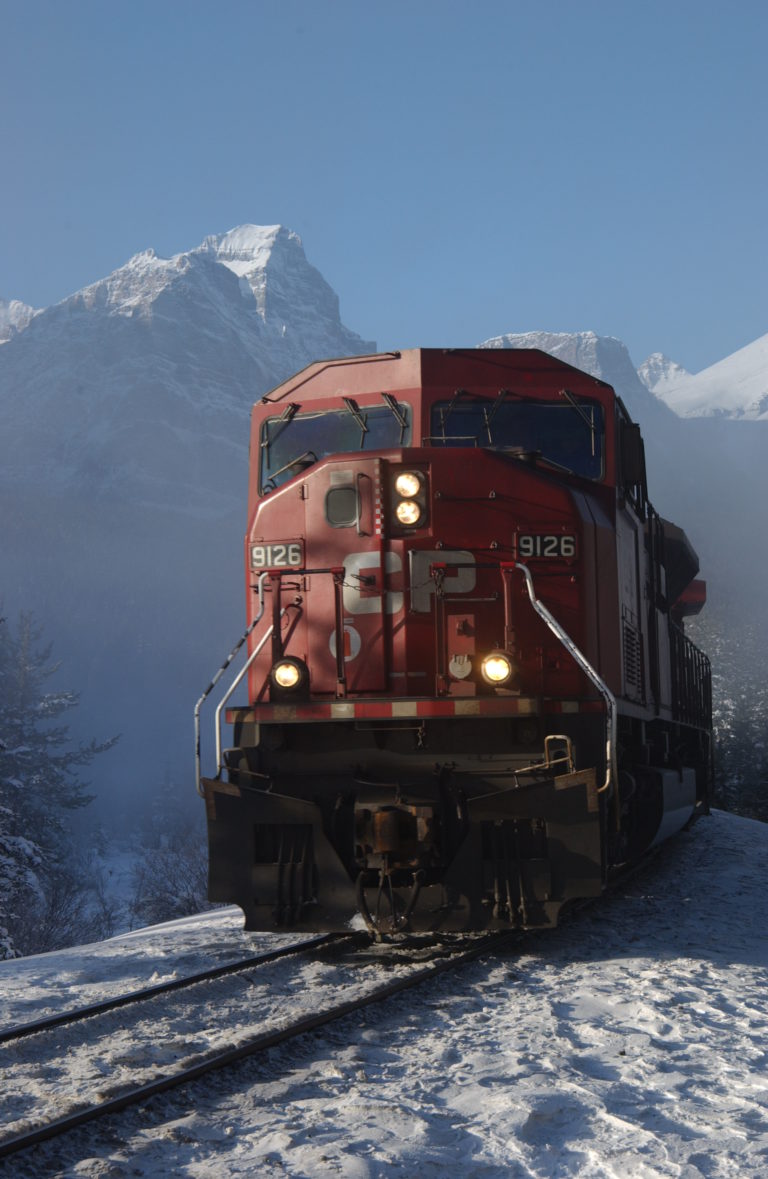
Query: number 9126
x,y
287,554
546,545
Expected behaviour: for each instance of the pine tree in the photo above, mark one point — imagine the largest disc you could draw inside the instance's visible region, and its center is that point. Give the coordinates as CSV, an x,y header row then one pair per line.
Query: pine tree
x,y
39,784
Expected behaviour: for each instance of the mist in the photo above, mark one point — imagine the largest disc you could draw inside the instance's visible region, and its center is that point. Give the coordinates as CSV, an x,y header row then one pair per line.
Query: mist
x,y
123,476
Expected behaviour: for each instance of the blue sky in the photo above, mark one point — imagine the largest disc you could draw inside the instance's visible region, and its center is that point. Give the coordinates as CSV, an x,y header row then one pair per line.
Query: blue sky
x,y
455,169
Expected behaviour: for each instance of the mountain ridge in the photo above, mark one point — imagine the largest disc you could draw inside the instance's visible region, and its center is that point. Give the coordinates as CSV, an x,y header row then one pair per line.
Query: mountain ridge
x,y
735,387
182,345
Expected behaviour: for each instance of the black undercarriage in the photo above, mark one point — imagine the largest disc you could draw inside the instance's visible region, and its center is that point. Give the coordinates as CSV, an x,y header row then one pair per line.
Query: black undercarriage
x,y
413,828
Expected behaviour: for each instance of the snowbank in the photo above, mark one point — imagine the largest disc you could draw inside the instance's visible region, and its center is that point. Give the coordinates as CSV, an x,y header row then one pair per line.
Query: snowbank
x,y
631,1042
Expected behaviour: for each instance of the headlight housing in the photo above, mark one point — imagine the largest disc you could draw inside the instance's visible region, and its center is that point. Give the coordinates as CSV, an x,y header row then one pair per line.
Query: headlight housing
x,y
408,499
408,513
289,676
497,668
408,484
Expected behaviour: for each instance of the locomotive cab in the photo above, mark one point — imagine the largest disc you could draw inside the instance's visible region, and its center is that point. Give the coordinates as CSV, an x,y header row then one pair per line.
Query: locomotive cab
x,y
469,698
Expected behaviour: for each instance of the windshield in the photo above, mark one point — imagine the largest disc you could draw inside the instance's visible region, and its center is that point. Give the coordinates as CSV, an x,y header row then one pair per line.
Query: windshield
x,y
294,441
567,433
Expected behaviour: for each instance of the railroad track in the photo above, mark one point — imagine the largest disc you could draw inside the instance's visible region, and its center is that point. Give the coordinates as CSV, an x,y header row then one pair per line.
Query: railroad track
x,y
256,1034
19,1031
408,964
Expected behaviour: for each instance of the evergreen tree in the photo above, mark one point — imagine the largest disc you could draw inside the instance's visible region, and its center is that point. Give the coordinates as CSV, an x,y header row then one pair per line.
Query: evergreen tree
x,y
737,646
39,784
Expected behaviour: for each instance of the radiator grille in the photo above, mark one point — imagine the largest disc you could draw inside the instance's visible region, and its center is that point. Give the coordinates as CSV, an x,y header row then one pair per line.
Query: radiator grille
x,y
633,662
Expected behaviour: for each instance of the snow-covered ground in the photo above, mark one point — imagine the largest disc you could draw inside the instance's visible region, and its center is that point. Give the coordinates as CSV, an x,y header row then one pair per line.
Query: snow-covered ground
x,y
631,1042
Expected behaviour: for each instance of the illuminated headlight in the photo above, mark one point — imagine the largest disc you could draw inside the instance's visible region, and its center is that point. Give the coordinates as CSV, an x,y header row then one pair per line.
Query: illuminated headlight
x,y
408,513
409,499
289,674
497,668
408,484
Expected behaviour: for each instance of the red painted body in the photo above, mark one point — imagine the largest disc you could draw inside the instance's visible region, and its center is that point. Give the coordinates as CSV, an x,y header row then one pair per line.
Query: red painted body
x,y
481,504
521,460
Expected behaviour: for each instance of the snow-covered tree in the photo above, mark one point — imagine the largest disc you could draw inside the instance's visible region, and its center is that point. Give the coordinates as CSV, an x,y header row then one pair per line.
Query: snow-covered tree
x,y
170,879
39,784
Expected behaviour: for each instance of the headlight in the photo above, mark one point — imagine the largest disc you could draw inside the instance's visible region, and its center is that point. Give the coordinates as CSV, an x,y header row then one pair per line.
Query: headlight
x,y
408,484
289,674
286,675
408,513
409,499
497,668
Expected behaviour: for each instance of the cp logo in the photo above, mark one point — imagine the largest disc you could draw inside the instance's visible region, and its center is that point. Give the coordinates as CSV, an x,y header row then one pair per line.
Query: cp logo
x,y
356,601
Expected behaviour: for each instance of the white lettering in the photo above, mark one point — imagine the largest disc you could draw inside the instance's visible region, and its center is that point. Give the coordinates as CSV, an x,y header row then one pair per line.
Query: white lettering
x,y
356,600
460,580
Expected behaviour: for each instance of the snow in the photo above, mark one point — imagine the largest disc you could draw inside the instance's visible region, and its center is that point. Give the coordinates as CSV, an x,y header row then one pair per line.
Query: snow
x,y
735,387
605,357
161,361
124,429
14,317
658,373
630,1042
246,247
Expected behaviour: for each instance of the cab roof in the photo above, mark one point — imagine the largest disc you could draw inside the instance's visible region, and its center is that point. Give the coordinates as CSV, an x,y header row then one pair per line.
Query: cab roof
x,y
416,368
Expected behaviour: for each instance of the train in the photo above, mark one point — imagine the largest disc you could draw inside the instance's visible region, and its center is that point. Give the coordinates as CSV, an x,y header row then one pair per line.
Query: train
x,y
471,701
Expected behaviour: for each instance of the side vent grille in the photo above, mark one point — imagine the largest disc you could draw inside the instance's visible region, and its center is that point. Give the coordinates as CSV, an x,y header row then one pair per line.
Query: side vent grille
x,y
633,662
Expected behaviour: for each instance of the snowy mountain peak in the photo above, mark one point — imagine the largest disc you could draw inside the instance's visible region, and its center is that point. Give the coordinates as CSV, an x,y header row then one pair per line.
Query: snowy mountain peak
x,y
273,285
133,288
245,246
658,372
171,353
605,357
271,264
598,355
14,317
736,387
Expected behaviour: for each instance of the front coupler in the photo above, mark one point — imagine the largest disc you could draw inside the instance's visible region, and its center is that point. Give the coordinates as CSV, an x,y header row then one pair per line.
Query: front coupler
x,y
507,855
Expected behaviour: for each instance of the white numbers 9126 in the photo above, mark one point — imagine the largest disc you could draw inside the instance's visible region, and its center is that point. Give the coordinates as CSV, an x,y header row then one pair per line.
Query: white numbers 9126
x,y
288,554
546,545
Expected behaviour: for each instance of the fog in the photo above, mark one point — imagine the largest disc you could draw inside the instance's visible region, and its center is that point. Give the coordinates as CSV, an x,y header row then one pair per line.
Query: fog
x,y
123,475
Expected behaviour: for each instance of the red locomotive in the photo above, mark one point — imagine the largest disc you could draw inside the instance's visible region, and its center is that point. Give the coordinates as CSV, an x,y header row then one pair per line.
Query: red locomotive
x,y
470,697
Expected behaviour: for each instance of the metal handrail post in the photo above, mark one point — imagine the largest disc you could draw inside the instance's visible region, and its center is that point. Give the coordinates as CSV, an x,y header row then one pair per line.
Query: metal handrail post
x,y
235,684
610,700
219,674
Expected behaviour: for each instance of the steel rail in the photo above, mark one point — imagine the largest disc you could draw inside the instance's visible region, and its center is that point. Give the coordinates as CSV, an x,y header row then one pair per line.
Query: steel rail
x,y
266,1040
250,1047
20,1031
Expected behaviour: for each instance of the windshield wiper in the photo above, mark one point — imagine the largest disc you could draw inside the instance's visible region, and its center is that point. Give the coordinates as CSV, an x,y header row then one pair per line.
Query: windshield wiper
x,y
286,417
444,414
535,456
303,461
501,396
589,418
543,458
354,409
400,417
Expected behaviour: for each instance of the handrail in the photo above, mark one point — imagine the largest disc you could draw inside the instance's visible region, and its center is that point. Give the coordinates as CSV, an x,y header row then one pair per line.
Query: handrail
x,y
586,667
235,684
217,677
